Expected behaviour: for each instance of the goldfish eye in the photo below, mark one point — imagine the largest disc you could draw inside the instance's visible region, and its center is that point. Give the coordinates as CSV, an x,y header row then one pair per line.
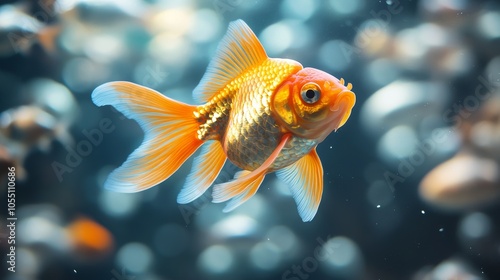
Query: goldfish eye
x,y
310,93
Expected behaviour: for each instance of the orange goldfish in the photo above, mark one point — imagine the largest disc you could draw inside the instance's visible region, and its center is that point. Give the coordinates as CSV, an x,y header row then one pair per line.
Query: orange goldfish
x,y
263,114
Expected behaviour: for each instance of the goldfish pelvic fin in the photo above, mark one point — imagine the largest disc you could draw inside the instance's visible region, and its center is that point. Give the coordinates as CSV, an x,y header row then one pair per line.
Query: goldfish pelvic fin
x,y
305,178
206,168
249,190
246,183
238,51
170,134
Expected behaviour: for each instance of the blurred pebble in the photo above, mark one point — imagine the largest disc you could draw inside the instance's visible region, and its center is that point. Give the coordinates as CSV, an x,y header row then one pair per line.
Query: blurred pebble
x,y
265,255
284,35
115,48
82,74
463,182
335,55
403,103
91,240
487,23
20,31
135,257
205,26
391,72
397,143
55,98
285,240
301,10
475,226
450,269
342,258
454,13
216,259
118,204
374,39
346,7
41,225
234,226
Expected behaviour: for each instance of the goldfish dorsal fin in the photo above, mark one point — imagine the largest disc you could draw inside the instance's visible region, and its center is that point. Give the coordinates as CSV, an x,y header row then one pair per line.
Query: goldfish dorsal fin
x,y
238,51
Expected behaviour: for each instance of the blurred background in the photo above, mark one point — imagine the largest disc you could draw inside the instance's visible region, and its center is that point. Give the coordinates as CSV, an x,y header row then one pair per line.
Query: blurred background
x,y
412,181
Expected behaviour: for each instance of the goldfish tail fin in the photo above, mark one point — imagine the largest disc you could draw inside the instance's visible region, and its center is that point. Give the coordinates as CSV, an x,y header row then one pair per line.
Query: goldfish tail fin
x,y
170,134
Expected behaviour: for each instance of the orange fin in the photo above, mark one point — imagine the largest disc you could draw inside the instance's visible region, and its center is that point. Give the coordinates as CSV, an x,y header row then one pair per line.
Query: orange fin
x,y
238,51
206,168
169,140
246,183
305,178
251,188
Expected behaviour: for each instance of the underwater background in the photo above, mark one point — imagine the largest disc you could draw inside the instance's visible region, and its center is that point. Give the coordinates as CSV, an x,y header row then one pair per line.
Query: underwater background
x,y
412,181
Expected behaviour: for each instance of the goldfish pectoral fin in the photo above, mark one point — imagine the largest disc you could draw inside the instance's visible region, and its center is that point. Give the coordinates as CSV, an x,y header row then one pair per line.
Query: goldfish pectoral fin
x,y
238,51
206,167
305,179
170,134
246,183
250,189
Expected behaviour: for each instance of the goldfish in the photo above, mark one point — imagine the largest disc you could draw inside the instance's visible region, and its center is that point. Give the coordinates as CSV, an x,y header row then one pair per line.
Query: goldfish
x,y
263,114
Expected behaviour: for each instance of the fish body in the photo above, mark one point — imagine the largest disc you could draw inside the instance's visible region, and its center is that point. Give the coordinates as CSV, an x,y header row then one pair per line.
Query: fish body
x,y
263,114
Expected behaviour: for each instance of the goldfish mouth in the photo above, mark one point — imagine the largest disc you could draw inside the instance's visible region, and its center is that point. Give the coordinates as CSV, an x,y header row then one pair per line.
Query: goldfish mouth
x,y
342,107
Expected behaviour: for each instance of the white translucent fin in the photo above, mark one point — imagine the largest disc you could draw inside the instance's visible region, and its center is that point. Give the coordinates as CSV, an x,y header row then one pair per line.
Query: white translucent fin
x,y
305,179
250,190
206,167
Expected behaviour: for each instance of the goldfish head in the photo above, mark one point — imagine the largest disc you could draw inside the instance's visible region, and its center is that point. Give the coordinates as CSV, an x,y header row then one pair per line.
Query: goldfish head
x,y
312,103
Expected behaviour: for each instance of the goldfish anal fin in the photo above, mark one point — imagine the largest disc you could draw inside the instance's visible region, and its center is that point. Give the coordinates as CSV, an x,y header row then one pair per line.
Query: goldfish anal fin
x,y
250,189
305,179
206,167
170,134
238,51
246,183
